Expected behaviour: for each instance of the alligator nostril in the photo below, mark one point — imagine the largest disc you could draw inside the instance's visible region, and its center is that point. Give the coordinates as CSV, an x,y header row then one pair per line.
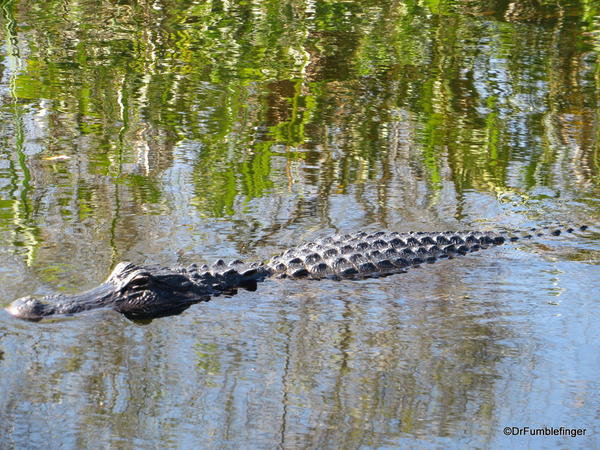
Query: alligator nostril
x,y
29,308
13,308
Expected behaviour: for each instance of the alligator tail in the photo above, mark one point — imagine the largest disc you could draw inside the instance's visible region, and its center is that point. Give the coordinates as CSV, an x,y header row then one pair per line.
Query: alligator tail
x,y
363,255
549,230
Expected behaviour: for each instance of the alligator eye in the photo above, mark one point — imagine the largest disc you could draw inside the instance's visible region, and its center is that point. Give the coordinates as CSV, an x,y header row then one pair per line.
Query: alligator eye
x,y
140,280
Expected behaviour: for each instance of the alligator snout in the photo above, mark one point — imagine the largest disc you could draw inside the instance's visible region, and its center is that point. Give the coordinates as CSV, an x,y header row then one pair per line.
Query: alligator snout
x,y
30,308
130,289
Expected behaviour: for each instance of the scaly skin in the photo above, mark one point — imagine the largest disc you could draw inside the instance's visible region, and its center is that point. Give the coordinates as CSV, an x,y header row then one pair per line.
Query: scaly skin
x,y
148,292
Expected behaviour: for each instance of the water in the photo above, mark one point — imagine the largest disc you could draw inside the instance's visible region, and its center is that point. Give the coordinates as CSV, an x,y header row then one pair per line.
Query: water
x,y
171,132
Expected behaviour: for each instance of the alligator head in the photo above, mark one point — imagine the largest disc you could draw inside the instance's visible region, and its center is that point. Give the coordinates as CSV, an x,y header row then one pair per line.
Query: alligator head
x,y
135,291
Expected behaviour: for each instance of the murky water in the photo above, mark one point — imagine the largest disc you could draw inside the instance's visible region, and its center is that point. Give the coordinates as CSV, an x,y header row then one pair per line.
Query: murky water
x,y
170,132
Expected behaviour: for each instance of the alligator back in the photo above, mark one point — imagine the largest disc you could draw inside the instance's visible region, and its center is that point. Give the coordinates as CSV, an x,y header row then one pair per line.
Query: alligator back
x,y
222,277
362,255
147,292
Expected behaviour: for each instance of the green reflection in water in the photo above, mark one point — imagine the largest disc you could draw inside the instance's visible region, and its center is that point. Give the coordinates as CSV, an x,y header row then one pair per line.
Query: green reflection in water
x,y
263,89
115,107
25,231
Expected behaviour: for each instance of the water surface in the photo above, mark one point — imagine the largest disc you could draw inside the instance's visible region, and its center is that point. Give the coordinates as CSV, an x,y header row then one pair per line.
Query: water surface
x,y
171,132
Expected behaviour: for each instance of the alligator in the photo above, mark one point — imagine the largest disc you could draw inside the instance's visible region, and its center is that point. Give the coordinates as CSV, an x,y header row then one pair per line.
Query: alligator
x,y
147,292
